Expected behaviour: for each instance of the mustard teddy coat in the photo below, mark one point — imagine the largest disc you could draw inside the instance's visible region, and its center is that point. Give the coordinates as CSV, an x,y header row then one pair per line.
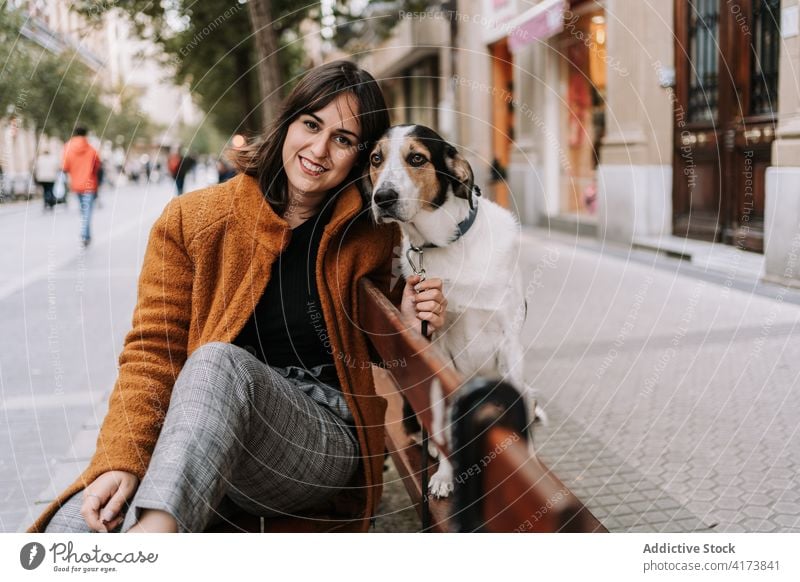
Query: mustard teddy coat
x,y
208,260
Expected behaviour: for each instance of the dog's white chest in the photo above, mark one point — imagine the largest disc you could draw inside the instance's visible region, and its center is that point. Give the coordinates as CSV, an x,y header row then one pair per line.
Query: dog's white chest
x,y
483,288
477,269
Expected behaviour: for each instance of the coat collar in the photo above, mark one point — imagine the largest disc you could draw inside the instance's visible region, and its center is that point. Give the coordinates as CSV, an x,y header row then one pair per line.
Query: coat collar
x,y
255,215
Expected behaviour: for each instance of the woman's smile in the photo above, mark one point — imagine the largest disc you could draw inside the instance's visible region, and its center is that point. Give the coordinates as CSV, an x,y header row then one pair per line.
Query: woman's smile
x,y
310,167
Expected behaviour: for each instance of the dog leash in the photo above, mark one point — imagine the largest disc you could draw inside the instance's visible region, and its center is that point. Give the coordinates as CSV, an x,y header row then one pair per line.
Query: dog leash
x,y
419,270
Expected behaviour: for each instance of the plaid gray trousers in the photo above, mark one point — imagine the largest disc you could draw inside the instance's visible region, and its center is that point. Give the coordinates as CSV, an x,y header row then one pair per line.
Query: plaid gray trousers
x,y
240,434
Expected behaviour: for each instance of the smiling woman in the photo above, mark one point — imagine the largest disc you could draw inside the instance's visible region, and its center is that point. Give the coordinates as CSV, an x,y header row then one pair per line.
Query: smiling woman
x,y
245,383
330,120
319,152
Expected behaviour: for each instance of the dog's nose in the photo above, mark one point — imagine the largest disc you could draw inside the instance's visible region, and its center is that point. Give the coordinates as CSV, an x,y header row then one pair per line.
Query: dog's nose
x,y
385,197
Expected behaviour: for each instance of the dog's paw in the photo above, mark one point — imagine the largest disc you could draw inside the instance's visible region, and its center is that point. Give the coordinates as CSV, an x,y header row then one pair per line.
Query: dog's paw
x,y
441,483
440,486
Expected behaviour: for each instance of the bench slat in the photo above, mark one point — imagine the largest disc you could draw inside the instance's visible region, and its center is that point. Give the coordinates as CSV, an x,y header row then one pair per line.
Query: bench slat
x,y
413,361
405,455
524,495
519,485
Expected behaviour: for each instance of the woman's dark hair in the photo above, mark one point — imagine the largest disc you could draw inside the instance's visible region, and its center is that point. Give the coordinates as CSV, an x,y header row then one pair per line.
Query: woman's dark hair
x,y
263,159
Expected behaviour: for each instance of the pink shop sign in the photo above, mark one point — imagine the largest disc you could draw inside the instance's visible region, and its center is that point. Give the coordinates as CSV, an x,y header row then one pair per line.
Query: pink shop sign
x,y
539,23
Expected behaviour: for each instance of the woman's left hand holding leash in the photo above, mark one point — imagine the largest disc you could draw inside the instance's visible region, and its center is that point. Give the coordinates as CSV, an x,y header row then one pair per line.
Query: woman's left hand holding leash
x,y
424,301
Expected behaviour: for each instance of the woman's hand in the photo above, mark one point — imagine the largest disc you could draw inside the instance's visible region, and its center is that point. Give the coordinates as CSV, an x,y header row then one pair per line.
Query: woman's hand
x,y
424,301
104,497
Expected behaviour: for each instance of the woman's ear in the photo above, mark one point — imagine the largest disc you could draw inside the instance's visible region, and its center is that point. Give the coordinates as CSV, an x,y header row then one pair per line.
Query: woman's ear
x,y
460,174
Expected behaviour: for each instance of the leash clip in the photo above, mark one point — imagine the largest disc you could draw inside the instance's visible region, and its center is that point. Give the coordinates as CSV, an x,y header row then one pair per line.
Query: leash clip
x,y
418,270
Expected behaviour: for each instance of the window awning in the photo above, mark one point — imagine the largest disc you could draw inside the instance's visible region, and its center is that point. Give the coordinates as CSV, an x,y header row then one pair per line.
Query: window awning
x,y
538,23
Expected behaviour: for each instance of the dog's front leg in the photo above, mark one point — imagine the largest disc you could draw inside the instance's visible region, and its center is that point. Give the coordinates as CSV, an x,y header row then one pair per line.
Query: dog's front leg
x,y
511,362
441,483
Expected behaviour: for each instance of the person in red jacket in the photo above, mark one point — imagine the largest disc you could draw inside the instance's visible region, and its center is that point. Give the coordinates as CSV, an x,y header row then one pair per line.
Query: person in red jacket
x,y
82,163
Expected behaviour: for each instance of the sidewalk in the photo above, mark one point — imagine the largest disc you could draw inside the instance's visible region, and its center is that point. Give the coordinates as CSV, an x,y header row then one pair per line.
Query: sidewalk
x,y
65,312
671,393
670,385
673,399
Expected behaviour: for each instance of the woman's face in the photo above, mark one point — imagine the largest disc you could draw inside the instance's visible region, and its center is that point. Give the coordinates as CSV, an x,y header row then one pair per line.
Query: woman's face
x,y
321,147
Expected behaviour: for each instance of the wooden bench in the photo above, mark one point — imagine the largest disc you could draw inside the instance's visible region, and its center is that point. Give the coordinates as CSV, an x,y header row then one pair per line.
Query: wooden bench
x,y
499,486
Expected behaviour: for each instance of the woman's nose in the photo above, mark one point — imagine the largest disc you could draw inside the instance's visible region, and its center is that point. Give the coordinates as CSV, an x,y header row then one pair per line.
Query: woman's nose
x,y
319,147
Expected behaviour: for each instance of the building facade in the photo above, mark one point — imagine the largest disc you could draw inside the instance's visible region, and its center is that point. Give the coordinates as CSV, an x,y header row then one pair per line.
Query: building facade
x,y
54,27
120,61
635,120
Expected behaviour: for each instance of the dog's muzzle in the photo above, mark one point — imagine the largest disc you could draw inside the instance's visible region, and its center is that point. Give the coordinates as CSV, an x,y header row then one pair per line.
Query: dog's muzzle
x,y
385,199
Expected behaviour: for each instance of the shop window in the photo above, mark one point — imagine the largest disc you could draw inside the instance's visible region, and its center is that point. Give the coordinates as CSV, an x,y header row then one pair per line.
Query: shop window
x,y
584,68
764,54
703,56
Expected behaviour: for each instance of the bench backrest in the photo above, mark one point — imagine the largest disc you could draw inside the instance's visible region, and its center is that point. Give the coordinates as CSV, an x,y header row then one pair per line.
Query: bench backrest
x,y
512,491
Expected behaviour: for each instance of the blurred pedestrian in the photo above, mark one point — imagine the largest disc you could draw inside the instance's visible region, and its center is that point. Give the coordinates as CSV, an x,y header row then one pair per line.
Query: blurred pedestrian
x,y
101,177
45,172
225,171
133,169
81,162
147,166
179,166
119,163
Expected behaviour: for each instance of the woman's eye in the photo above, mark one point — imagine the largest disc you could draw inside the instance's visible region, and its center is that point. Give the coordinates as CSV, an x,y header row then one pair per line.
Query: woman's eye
x,y
341,140
311,124
417,159
375,159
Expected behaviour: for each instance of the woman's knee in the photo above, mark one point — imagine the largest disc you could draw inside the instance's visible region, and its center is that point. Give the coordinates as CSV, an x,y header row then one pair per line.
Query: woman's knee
x,y
228,371
215,355
215,367
223,383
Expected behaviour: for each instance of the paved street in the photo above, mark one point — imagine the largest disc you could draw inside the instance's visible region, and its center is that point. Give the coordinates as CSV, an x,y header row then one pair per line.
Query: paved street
x,y
672,391
672,399
65,313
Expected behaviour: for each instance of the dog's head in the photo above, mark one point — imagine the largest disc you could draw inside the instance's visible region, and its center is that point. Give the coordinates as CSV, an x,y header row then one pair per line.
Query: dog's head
x,y
412,169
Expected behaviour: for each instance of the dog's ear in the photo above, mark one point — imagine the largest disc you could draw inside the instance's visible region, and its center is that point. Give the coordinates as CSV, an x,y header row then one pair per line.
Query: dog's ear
x,y
460,175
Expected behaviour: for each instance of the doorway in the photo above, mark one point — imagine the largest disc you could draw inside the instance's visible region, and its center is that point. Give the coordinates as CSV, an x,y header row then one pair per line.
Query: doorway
x,y
502,118
725,108
582,47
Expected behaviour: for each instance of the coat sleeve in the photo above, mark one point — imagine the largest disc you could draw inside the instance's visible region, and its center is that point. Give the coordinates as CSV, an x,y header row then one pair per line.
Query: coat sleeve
x,y
153,354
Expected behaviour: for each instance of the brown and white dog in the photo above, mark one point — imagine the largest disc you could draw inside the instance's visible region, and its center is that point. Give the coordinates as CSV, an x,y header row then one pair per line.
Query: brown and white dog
x,y
420,181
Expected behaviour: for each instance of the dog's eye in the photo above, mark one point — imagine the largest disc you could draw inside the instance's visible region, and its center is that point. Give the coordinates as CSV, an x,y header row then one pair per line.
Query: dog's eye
x,y
416,159
375,159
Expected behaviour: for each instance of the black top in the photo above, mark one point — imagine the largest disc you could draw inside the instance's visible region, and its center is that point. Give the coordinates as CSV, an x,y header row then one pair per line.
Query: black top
x,y
287,327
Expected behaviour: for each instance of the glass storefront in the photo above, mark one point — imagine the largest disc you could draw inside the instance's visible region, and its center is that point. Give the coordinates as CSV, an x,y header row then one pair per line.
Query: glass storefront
x,y
582,48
